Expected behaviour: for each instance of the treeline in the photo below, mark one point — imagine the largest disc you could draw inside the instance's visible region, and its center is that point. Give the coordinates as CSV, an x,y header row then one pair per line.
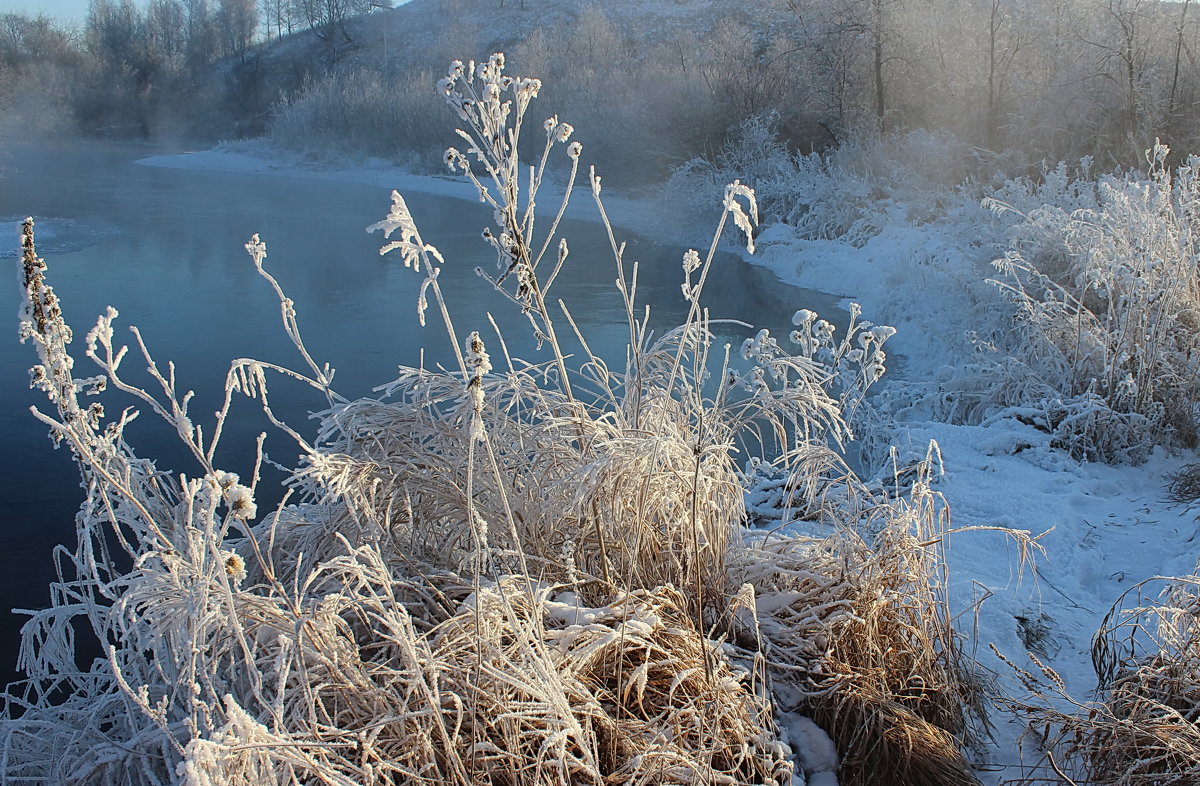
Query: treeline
x,y
1056,79
163,67
651,86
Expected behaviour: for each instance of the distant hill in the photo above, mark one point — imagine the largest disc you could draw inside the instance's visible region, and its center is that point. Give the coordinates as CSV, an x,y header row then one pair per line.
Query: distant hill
x,y
647,84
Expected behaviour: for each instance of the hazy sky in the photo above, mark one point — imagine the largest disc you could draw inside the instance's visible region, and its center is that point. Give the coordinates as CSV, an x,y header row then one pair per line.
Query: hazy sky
x,y
63,10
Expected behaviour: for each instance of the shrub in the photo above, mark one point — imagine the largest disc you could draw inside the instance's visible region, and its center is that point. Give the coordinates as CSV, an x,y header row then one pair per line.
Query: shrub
x,y
849,193
1108,309
360,112
1141,730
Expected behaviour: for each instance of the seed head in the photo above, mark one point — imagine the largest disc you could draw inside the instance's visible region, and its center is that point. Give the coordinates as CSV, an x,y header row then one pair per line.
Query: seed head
x,y
235,567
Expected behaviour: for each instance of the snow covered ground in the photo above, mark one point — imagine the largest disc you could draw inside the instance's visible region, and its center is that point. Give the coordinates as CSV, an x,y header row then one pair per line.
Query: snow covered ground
x,y
1107,527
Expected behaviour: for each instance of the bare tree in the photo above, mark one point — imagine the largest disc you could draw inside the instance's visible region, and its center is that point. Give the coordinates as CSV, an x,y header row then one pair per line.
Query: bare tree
x,y
202,33
1122,38
113,29
238,21
278,16
166,29
327,18
1178,52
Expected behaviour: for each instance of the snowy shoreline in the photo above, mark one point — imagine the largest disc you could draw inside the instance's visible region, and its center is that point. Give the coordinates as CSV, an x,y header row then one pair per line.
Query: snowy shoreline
x,y
1107,527
253,158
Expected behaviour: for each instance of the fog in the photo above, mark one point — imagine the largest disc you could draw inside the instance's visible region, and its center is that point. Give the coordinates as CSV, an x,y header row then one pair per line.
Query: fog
x,y
649,85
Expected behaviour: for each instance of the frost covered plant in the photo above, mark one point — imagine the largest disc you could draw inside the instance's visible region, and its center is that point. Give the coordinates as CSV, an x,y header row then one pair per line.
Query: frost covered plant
x,y
857,361
249,652
604,469
167,621
849,192
857,626
1108,309
492,105
528,572
1141,729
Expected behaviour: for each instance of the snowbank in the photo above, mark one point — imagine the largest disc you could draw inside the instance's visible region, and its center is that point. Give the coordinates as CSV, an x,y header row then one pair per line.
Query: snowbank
x,y
259,157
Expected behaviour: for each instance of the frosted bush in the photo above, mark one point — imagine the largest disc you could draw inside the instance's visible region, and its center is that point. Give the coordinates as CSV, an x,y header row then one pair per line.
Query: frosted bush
x,y
360,112
848,193
753,154
1108,311
1067,188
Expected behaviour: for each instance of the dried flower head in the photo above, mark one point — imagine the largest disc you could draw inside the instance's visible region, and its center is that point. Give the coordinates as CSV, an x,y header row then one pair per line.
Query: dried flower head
x,y
240,500
478,360
226,480
745,222
235,567
803,317
478,364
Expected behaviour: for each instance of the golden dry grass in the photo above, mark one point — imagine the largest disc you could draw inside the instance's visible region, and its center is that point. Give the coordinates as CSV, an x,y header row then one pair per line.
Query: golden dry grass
x,y
1141,728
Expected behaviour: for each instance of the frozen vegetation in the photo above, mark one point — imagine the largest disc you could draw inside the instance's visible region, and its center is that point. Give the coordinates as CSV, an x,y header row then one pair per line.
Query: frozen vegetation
x,y
509,572
544,573
772,563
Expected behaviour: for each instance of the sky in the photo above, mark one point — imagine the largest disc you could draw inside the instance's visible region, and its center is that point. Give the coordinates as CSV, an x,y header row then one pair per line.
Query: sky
x,y
63,10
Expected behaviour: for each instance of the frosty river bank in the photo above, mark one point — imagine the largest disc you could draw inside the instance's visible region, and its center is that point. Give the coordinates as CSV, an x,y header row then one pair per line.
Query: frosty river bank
x,y
164,246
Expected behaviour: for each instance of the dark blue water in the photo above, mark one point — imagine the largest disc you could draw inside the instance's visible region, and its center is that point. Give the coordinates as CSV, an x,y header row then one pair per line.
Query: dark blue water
x,y
165,247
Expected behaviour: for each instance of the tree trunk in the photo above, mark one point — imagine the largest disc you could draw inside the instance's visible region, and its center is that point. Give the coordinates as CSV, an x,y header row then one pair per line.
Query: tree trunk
x,y
1178,51
992,132
880,97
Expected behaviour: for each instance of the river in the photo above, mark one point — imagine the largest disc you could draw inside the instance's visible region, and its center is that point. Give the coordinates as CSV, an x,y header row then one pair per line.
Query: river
x,y
165,247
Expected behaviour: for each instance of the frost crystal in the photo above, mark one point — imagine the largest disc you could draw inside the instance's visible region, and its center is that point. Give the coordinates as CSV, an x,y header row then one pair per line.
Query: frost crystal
x,y
400,219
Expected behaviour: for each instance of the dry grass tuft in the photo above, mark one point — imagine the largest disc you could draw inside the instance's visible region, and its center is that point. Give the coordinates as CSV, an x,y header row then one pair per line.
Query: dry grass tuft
x,y
578,493
1184,485
860,625
649,699
1142,728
